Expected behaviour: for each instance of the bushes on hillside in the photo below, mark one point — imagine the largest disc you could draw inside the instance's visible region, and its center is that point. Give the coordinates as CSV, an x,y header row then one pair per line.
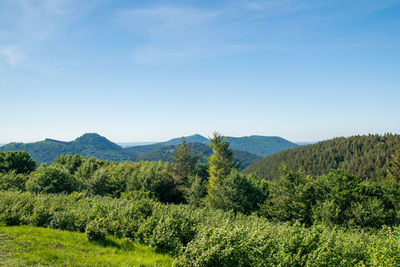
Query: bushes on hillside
x,y
201,237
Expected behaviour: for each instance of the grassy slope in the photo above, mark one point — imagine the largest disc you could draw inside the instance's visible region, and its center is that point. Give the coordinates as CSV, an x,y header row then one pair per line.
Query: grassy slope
x,y
33,246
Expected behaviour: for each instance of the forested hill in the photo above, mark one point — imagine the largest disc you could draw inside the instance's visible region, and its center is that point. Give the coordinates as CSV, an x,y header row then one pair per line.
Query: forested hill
x,y
88,145
365,156
260,145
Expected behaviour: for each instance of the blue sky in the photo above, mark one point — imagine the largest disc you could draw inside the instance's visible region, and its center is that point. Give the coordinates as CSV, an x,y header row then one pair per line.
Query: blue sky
x,y
154,70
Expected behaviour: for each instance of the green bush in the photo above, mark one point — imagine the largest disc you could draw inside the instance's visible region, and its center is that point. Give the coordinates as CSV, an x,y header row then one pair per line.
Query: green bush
x,y
234,192
95,231
13,181
51,180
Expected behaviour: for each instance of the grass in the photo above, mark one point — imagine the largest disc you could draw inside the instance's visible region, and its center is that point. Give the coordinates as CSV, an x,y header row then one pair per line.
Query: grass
x,y
33,246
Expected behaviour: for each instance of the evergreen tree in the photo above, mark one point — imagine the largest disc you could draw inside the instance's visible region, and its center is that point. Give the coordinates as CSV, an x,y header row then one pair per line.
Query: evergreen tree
x,y
220,162
183,164
235,192
394,166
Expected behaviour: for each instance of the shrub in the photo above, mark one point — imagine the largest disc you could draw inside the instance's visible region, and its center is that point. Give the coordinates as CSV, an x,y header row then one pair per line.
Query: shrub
x,y
13,181
234,192
95,231
51,180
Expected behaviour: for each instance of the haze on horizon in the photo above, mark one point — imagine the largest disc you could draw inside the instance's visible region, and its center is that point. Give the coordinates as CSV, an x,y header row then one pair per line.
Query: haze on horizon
x,y
139,71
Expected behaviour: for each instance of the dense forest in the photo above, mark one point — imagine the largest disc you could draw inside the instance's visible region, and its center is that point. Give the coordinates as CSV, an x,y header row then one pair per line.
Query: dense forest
x,y
210,214
364,156
247,149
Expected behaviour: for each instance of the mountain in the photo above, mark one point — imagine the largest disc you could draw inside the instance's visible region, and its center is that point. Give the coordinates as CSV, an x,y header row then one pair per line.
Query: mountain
x,y
130,144
166,153
196,138
88,145
365,156
260,145
247,149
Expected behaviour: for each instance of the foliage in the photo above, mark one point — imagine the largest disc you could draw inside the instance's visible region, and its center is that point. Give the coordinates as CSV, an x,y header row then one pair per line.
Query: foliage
x,y
196,192
203,237
364,156
95,231
98,184
393,168
166,153
152,177
235,192
18,161
51,180
183,164
289,198
335,199
220,162
13,181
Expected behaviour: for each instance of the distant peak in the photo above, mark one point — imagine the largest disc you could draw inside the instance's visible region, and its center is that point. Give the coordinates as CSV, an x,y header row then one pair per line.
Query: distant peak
x,y
94,139
90,135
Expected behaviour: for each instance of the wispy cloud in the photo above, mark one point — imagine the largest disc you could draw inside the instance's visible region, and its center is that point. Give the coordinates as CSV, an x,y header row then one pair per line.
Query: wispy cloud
x,y
11,55
171,33
156,20
30,23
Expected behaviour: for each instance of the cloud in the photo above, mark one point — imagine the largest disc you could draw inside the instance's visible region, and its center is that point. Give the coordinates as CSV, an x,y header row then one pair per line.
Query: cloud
x,y
11,55
167,18
29,24
170,33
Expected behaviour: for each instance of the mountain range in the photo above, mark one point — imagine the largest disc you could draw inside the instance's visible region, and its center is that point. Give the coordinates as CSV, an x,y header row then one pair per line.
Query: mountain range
x,y
247,150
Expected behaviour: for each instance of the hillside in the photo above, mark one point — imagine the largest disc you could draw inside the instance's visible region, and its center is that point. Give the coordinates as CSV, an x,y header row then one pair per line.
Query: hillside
x,y
364,156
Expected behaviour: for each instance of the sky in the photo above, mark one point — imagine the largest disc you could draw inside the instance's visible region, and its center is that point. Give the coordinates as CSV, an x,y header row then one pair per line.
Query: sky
x,y
155,70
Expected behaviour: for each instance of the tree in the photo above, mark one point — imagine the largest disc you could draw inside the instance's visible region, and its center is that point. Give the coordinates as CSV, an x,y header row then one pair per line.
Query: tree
x,y
196,192
394,166
220,162
183,164
18,161
235,192
98,184
52,180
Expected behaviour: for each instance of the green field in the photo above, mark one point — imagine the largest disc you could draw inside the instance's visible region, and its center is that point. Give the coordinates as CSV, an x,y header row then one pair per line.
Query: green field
x,y
33,246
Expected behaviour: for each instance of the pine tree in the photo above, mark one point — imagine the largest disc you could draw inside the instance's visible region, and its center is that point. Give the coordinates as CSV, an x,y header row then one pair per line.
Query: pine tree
x,y
220,162
394,166
182,165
